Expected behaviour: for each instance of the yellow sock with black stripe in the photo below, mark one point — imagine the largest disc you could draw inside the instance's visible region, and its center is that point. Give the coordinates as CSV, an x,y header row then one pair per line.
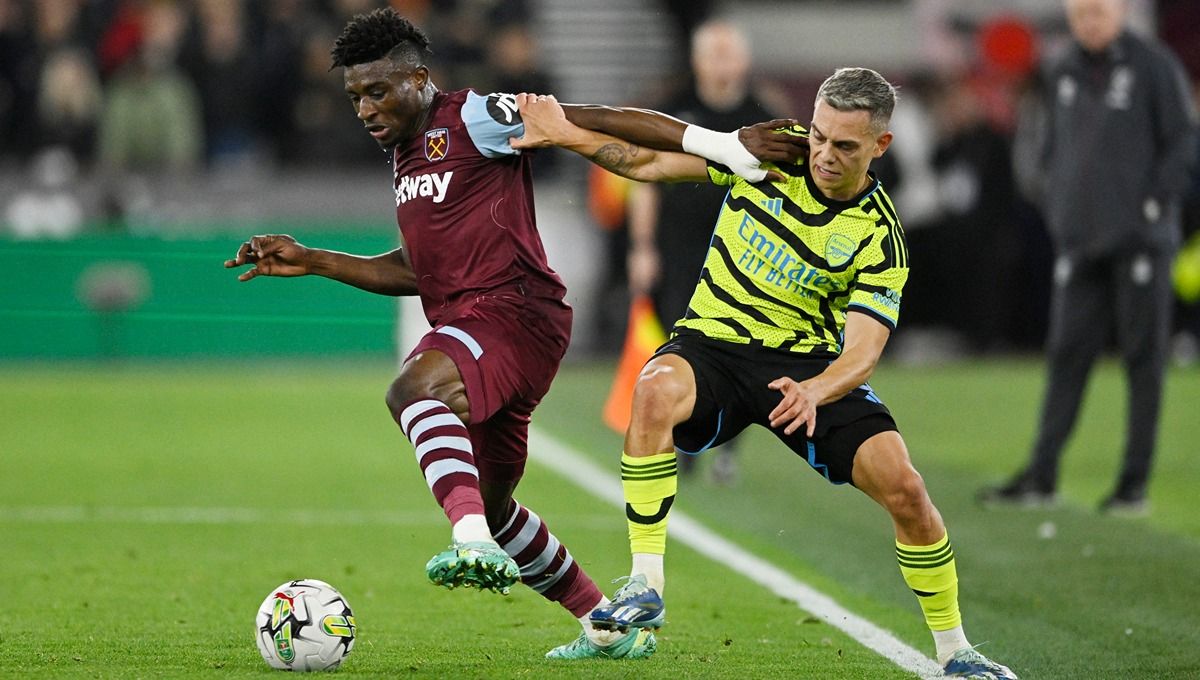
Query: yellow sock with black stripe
x,y
650,483
929,570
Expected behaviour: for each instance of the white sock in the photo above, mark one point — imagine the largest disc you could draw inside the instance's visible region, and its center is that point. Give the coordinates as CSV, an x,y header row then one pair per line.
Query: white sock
x,y
948,642
650,566
600,638
471,529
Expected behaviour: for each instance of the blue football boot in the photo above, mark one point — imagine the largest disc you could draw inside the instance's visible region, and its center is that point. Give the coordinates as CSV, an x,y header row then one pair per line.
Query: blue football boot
x,y
635,605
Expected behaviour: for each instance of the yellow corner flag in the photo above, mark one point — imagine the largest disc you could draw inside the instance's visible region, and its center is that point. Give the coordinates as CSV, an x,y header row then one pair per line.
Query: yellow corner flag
x,y
644,335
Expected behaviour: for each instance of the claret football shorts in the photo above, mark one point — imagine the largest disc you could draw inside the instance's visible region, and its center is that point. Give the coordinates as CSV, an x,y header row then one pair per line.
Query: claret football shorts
x,y
507,347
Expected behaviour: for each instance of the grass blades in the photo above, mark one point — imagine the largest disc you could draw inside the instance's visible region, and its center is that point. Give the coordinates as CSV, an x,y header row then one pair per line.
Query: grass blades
x,y
146,510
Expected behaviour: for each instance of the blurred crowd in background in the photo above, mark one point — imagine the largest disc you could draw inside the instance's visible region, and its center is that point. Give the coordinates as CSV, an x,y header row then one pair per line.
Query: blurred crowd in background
x,y
162,84
105,89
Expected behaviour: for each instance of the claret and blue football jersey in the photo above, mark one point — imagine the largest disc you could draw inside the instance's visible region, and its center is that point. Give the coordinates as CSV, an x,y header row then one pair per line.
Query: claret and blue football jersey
x,y
464,204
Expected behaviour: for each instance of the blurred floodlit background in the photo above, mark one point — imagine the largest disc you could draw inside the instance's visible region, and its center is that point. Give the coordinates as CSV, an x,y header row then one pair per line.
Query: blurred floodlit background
x,y
174,442
141,140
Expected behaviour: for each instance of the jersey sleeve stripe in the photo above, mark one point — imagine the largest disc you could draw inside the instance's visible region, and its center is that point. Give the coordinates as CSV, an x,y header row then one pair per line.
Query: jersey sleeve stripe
x,y
872,288
889,253
888,211
898,249
873,313
901,245
890,208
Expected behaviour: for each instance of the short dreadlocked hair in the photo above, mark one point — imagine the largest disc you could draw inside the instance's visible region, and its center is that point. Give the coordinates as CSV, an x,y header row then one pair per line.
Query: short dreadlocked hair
x,y
382,33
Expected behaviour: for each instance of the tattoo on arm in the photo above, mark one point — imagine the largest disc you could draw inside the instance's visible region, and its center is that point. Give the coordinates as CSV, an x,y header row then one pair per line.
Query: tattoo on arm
x,y
616,157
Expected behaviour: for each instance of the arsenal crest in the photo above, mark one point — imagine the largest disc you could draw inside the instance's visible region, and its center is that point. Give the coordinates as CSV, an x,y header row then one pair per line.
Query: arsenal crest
x,y
437,144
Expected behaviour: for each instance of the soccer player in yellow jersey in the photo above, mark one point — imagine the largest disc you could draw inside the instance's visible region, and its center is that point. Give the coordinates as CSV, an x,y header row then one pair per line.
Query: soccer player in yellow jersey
x,y
799,293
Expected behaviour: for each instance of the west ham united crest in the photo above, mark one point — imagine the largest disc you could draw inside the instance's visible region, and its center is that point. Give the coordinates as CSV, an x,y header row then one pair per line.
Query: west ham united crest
x,y
437,144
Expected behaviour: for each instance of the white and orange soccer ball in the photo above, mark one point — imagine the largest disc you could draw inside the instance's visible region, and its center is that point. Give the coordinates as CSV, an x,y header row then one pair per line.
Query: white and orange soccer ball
x,y
305,625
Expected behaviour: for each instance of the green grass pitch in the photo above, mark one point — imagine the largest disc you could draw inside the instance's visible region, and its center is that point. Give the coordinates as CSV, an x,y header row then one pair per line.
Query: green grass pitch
x,y
147,509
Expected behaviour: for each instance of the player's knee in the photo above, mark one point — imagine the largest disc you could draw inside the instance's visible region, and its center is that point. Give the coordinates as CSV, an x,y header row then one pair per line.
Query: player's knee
x,y
428,375
905,496
656,395
404,391
398,397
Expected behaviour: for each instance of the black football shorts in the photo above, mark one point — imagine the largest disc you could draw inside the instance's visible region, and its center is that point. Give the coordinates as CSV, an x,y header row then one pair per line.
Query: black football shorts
x,y
732,393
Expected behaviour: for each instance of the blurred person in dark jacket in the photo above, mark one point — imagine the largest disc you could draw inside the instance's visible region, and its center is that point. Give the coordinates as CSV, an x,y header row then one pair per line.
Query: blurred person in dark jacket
x,y
220,60
1106,153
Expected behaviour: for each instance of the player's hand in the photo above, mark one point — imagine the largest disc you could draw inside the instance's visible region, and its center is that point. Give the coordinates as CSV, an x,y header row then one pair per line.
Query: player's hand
x,y
545,122
271,255
769,143
797,407
765,143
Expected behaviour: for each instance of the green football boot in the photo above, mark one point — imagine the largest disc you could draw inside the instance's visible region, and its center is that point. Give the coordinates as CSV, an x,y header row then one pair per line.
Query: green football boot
x,y
636,644
477,564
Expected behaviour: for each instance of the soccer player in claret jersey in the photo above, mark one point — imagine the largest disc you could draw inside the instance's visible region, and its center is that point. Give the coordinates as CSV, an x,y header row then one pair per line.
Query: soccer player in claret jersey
x,y
798,295
465,393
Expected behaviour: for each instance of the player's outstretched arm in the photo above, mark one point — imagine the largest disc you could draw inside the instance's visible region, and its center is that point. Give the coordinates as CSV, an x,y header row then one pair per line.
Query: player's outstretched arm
x,y
546,125
281,255
742,150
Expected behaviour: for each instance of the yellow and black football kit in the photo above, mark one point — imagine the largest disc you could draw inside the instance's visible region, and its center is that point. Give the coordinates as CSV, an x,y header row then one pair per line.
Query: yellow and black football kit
x,y
785,264
784,267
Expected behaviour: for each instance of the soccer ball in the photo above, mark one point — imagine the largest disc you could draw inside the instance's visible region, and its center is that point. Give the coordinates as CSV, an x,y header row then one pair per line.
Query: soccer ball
x,y
305,625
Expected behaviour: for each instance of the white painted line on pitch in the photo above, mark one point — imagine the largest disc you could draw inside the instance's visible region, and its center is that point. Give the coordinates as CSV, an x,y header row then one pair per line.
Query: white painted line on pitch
x,y
578,468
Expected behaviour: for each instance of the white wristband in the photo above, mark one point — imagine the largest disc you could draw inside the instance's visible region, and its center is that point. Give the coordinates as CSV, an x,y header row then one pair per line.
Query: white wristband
x,y
723,148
